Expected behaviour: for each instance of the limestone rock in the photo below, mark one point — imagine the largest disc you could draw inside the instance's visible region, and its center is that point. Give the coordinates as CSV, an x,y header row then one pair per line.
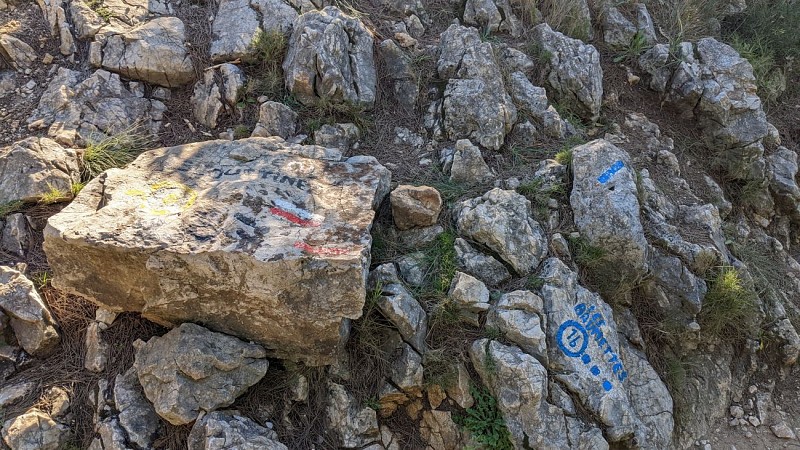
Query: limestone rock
x,y
593,361
501,221
492,16
406,86
475,104
220,88
519,383
519,316
275,119
533,101
783,164
399,306
439,431
222,430
238,24
77,109
153,52
191,369
619,31
413,268
33,167
33,324
415,206
20,55
605,203
468,165
480,265
10,394
469,295
35,430
237,235
573,71
339,136
16,238
134,412
96,349
406,371
356,425
330,59
459,389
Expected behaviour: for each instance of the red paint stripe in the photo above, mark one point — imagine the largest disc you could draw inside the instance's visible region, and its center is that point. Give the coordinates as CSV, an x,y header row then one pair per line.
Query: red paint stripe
x,y
293,218
321,250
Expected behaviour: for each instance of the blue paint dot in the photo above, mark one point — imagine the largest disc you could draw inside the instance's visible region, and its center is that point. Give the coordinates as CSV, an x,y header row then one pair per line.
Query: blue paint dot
x,y
586,359
607,385
595,370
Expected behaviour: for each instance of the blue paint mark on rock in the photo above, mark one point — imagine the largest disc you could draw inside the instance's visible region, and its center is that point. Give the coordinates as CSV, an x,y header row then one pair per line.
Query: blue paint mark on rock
x,y
606,176
573,338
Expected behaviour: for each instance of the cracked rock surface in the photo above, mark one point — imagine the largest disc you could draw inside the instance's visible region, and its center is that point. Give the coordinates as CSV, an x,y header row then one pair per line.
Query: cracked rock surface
x,y
330,58
241,236
191,369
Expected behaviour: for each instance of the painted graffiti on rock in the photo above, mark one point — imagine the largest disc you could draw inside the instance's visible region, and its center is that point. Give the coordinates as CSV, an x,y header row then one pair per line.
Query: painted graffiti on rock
x,y
295,214
574,336
610,172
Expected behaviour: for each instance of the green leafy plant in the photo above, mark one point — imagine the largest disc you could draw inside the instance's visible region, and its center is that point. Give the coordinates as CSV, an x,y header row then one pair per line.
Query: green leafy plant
x,y
106,152
485,422
728,306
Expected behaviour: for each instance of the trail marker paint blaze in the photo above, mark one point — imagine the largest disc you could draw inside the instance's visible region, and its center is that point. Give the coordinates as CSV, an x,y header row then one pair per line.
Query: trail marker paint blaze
x,y
573,338
297,216
606,176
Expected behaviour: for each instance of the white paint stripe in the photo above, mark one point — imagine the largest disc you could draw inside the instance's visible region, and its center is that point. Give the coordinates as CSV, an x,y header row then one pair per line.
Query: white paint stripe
x,y
299,212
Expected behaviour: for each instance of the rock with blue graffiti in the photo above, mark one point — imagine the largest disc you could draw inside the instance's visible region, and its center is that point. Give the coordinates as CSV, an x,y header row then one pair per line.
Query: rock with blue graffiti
x,y
606,206
589,357
519,383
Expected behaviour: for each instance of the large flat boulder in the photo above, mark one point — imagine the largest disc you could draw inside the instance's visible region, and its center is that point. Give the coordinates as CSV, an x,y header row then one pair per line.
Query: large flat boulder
x,y
257,238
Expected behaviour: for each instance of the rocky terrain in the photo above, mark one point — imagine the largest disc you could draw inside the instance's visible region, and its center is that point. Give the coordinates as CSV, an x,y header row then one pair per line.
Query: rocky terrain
x,y
397,224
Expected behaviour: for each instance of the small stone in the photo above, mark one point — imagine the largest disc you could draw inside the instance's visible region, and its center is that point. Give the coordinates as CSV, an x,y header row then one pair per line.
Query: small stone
x,y
415,206
15,392
436,395
752,389
754,421
96,349
783,431
748,434
105,316
737,411
47,58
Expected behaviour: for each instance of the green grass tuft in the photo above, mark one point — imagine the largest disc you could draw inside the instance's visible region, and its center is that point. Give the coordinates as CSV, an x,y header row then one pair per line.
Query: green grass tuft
x,y
729,305
113,151
10,207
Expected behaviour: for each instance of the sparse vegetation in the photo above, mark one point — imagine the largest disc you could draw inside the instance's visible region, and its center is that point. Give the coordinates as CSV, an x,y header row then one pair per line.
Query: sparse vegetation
x,y
268,49
728,306
636,47
10,207
566,16
440,367
101,9
441,260
106,152
765,34
485,422
76,187
54,195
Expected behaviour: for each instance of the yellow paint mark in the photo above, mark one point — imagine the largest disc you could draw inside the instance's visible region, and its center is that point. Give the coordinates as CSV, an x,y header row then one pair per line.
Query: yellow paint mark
x,y
165,197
